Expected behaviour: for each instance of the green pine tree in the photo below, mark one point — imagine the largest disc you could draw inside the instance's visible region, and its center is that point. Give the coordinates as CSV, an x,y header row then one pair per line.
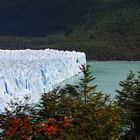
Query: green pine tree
x,y
93,115
129,101
86,89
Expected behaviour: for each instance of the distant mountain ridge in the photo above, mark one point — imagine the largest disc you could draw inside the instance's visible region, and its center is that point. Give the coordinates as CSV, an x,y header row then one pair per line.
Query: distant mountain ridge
x,y
104,29
40,17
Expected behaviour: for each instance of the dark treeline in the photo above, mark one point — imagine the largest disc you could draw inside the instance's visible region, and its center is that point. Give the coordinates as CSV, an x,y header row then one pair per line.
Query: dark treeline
x,y
95,50
103,29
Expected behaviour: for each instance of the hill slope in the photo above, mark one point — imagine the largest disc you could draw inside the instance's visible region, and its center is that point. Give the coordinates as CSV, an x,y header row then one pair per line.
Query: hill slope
x,y
104,29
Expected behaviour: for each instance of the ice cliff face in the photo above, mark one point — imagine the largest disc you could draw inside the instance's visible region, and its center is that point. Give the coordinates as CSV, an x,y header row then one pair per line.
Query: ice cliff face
x,y
25,74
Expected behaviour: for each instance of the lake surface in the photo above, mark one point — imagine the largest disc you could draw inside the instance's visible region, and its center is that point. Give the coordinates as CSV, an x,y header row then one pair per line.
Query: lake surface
x,y
108,74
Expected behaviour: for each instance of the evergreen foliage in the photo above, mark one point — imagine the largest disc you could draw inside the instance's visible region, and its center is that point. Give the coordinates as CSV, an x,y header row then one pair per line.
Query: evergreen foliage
x,y
86,89
129,101
50,103
69,113
93,115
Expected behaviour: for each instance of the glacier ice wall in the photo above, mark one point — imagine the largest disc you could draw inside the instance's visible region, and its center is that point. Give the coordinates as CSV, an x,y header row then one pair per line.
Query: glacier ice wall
x,y
25,74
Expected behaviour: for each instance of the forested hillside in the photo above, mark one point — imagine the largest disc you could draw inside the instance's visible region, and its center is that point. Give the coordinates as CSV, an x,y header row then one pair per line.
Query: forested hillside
x,y
103,29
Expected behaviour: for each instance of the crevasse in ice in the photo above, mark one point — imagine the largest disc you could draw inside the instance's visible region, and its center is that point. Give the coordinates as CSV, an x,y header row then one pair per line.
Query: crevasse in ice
x,y
25,74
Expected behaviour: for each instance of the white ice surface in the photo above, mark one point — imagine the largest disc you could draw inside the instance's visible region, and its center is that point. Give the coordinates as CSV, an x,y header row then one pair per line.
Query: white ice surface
x,y
28,73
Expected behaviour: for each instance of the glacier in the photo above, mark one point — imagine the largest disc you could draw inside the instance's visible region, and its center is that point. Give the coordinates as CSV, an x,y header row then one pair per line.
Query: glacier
x,y
25,74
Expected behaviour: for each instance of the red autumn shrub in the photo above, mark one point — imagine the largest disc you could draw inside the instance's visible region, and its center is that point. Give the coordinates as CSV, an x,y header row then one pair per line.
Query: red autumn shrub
x,y
25,128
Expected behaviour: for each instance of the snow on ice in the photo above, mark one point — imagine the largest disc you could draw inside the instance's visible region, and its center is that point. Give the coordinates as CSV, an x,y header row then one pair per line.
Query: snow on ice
x,y
25,74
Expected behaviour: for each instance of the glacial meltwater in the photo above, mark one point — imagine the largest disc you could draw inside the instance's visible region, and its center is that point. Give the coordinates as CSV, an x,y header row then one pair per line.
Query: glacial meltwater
x,y
108,74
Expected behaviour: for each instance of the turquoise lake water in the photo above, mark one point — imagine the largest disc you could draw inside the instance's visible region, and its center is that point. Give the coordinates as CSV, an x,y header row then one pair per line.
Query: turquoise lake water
x,y
108,74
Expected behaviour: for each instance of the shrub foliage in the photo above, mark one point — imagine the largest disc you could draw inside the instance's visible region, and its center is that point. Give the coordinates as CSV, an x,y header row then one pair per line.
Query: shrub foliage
x,y
69,113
